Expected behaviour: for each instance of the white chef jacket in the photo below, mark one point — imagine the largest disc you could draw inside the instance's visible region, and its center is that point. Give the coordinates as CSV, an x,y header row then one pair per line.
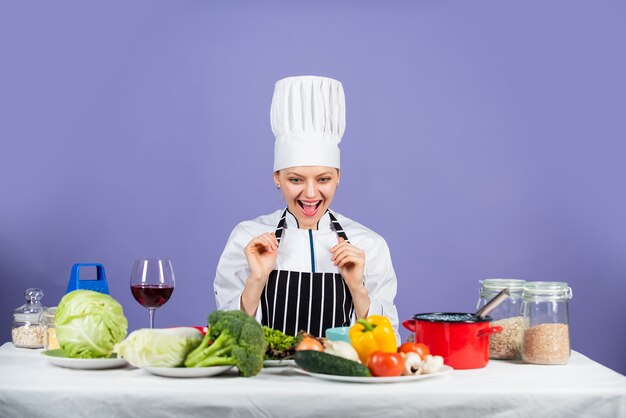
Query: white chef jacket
x,y
294,254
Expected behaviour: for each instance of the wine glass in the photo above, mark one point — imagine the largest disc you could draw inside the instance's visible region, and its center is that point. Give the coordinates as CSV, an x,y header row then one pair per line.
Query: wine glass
x,y
152,283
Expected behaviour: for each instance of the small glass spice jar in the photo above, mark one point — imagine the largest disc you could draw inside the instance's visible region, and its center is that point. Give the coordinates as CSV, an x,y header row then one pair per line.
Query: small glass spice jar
x,y
27,330
50,341
506,345
546,322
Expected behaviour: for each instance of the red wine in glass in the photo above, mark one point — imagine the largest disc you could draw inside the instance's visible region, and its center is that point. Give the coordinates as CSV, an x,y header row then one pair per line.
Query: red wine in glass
x,y
152,283
151,295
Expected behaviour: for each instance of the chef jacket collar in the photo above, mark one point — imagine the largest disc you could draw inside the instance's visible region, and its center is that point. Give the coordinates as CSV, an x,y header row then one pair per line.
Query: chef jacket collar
x,y
324,224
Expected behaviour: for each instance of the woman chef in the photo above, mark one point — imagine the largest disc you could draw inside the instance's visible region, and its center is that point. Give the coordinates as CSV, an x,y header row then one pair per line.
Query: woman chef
x,y
306,267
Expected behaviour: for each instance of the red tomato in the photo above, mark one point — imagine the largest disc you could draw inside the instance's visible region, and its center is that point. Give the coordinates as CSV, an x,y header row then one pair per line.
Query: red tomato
x,y
385,364
419,348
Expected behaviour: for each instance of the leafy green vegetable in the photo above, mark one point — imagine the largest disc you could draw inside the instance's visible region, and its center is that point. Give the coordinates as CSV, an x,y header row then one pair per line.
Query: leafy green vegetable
x,y
159,347
279,345
88,324
234,338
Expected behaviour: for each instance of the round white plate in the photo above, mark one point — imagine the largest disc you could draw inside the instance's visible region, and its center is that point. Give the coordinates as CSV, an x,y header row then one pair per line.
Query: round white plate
x,y
278,363
59,358
187,371
354,379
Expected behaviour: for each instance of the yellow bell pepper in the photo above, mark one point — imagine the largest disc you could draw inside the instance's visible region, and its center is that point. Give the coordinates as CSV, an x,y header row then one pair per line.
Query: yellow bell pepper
x,y
372,334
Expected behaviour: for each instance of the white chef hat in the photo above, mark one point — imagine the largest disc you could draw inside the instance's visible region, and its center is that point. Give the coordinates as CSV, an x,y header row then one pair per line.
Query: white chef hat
x,y
308,118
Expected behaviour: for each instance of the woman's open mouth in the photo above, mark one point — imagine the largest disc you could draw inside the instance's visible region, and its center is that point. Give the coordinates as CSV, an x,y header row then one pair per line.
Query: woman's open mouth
x,y
309,208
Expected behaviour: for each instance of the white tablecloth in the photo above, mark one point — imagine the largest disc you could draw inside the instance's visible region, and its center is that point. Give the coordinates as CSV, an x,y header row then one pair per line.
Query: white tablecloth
x,y
32,387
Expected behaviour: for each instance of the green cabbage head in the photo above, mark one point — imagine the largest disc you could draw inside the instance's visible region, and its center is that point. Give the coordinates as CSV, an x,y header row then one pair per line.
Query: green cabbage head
x,y
89,324
159,347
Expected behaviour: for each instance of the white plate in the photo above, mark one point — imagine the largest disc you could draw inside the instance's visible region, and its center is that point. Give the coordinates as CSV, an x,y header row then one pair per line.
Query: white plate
x,y
354,379
279,363
187,371
59,358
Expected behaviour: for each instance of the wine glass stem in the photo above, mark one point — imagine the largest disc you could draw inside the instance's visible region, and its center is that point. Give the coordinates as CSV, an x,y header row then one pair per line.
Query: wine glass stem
x,y
151,310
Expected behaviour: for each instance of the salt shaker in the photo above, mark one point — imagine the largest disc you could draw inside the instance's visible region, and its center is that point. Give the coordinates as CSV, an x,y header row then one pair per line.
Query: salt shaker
x,y
546,322
506,345
27,330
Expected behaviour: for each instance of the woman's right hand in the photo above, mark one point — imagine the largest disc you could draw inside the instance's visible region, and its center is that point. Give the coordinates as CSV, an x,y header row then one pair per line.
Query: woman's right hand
x,y
261,255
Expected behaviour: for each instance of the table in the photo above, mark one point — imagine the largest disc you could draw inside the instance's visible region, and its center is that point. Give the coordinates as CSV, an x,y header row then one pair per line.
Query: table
x,y
31,386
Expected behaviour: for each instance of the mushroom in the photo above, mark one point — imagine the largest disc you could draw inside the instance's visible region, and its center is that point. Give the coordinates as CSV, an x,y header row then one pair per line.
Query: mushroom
x,y
432,364
412,364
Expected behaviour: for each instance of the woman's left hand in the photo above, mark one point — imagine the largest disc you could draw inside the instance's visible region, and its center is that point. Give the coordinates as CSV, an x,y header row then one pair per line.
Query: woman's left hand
x,y
351,262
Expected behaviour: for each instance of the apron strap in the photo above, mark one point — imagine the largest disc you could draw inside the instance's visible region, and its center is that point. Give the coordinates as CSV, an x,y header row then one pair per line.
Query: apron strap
x,y
281,226
337,226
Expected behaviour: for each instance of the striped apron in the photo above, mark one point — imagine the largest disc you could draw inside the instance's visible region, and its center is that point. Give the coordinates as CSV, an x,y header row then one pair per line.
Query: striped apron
x,y
293,301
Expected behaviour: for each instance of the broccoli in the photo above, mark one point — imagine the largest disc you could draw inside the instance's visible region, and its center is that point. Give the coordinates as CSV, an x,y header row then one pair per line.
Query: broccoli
x,y
234,338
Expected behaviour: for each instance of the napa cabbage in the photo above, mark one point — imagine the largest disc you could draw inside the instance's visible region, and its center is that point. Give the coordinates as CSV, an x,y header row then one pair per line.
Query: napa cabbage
x,y
159,347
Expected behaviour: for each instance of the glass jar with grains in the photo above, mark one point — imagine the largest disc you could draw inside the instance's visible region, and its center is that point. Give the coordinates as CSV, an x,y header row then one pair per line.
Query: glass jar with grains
x,y
50,341
546,322
506,345
27,330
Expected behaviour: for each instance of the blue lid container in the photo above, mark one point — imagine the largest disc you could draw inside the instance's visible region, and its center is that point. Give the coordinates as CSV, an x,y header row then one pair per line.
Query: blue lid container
x,y
98,285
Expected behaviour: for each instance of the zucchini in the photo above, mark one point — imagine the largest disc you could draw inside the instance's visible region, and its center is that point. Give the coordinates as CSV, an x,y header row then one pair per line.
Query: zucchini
x,y
324,363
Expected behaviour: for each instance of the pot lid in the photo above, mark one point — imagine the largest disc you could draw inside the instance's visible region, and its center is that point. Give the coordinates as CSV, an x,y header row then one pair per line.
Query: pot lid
x,y
451,317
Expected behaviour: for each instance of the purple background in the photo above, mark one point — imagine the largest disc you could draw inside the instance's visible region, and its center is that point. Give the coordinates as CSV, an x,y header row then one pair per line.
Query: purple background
x,y
484,139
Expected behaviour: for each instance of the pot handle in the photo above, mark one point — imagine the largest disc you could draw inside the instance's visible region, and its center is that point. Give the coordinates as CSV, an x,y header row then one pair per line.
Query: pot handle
x,y
488,331
409,324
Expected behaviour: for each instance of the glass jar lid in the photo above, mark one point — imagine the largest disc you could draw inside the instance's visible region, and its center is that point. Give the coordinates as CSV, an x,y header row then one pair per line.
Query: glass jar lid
x,y
514,285
547,290
32,309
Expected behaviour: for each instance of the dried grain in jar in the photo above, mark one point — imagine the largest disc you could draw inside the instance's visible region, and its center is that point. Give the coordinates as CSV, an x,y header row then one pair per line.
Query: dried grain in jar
x,y
506,345
546,323
28,335
26,329
546,344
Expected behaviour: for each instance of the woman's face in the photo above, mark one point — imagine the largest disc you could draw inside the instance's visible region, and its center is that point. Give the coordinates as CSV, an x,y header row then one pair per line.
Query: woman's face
x,y
308,192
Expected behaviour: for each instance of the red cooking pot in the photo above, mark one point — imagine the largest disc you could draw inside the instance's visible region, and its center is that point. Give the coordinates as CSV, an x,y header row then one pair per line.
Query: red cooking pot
x,y
462,339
